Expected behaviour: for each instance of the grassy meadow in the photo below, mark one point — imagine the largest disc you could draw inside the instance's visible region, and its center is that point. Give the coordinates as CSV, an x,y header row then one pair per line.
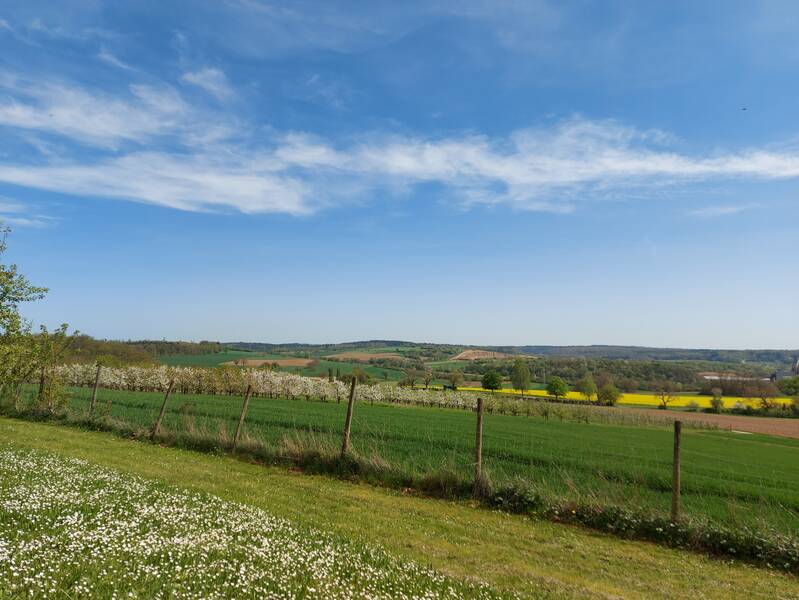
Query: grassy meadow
x,y
319,368
530,557
728,478
71,529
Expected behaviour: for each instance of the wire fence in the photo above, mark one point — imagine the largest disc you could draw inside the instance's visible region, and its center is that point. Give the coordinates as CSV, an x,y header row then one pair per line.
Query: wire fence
x,y
427,440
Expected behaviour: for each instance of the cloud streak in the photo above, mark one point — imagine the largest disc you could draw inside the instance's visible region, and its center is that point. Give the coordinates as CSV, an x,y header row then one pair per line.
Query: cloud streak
x,y
92,118
711,212
152,146
193,183
211,80
107,57
13,213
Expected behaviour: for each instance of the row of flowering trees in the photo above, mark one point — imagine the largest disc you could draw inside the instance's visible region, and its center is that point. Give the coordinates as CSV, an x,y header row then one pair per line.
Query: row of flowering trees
x,y
229,380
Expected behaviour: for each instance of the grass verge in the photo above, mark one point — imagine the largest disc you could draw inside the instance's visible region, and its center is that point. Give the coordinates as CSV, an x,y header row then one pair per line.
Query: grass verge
x,y
533,557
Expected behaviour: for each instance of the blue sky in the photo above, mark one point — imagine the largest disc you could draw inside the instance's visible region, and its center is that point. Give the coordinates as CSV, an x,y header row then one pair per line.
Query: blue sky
x,y
468,172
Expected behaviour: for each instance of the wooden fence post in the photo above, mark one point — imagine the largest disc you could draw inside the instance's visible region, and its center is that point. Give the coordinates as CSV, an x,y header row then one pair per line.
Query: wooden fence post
x,y
478,450
94,391
675,477
157,425
42,383
242,416
345,444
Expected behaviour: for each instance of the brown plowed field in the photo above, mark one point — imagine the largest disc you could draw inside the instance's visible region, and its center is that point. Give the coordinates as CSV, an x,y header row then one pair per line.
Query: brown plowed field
x,y
767,425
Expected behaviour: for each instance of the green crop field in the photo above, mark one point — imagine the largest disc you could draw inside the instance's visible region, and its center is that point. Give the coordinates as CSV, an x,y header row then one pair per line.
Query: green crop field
x,y
728,478
380,350
212,360
319,368
448,365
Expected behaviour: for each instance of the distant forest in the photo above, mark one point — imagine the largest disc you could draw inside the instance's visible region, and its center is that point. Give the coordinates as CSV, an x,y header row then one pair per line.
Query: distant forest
x,y
630,367
773,358
84,349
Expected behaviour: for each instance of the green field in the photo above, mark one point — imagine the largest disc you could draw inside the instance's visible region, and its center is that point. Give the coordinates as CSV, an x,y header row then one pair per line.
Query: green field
x,y
322,366
318,369
449,365
379,350
728,478
212,360
535,559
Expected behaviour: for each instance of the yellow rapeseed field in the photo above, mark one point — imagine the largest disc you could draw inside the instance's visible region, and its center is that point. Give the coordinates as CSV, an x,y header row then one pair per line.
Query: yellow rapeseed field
x,y
647,399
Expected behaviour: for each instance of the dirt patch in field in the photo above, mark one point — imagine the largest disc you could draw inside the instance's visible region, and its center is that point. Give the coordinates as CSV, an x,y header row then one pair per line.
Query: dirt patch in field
x,y
282,362
480,355
738,423
363,356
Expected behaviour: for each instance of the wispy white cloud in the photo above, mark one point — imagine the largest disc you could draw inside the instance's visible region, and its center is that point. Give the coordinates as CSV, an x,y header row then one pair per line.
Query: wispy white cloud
x,y
15,213
24,221
321,90
551,170
262,28
10,206
194,183
213,81
106,56
38,26
155,147
269,27
92,117
709,212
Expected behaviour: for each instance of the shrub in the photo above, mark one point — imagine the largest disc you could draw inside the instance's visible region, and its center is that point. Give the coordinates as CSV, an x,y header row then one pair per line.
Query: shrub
x,y
519,497
443,483
608,395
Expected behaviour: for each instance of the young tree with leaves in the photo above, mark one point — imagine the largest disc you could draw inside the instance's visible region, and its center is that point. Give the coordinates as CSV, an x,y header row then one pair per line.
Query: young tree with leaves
x,y
716,402
586,386
520,376
427,378
412,376
492,380
557,388
455,378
